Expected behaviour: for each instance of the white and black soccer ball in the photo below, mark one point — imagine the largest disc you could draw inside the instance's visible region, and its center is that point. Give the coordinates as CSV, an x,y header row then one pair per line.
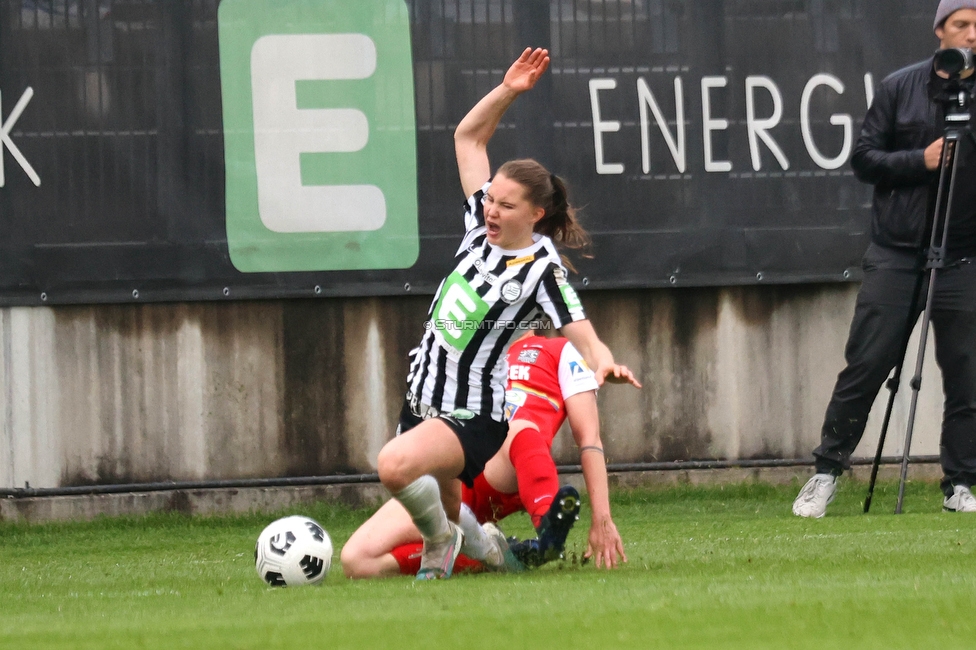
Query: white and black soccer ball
x,y
293,551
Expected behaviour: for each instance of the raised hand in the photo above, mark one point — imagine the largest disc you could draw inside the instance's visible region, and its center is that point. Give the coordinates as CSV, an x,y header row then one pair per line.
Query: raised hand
x,y
523,74
475,130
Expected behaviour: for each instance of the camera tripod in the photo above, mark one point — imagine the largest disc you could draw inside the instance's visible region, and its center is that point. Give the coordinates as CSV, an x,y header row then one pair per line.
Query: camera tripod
x,y
956,100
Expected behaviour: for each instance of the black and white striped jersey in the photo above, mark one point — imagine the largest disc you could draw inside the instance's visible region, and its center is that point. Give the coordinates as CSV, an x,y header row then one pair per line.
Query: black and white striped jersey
x,y
490,298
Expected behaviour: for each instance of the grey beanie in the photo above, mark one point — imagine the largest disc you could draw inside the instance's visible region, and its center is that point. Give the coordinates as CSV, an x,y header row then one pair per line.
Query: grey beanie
x,y
949,7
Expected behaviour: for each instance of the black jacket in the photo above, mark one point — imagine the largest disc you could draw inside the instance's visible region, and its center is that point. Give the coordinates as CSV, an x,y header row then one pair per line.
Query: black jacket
x,y
901,122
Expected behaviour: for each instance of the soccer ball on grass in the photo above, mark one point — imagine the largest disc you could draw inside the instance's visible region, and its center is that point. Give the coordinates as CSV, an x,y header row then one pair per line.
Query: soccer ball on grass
x,y
293,551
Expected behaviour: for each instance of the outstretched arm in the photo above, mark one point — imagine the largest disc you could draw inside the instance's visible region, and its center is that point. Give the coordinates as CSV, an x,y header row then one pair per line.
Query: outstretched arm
x,y
475,130
604,543
597,354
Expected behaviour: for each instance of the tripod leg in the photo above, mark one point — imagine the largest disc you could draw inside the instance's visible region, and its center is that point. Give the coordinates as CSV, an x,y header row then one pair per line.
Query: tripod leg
x,y
936,260
892,385
916,387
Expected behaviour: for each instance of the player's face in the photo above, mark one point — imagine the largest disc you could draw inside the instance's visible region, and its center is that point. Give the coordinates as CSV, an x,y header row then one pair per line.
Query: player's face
x,y
959,30
509,215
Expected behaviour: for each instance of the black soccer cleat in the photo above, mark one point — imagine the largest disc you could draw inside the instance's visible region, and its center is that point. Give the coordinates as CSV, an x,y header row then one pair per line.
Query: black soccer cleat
x,y
556,524
552,530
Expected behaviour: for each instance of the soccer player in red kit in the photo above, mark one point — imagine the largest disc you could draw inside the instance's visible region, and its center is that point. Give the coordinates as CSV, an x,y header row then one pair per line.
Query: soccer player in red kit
x,y
548,383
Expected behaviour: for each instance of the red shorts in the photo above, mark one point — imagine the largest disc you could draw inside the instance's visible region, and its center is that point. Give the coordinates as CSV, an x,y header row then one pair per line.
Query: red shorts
x,y
487,503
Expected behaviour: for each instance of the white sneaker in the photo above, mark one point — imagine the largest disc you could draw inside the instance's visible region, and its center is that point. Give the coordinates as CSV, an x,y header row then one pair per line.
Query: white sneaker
x,y
816,495
499,557
962,500
437,560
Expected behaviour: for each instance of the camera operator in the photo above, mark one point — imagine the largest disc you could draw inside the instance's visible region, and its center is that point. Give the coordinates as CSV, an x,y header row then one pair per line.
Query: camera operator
x,y
899,152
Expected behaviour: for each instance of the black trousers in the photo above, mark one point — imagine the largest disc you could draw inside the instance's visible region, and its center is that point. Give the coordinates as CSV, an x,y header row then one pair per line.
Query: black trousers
x,y
875,343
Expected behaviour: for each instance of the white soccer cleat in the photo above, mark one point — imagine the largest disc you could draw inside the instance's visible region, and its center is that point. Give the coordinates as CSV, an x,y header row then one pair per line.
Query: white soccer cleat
x,y
962,500
815,496
499,557
437,560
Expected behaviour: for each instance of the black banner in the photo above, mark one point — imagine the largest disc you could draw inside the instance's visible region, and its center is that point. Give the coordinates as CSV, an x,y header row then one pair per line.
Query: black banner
x,y
204,150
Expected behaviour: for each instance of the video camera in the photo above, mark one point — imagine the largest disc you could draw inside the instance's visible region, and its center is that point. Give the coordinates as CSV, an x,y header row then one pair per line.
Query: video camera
x,y
954,68
954,63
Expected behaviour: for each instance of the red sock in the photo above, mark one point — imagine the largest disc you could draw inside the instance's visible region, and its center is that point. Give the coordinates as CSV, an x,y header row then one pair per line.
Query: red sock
x,y
535,471
464,564
408,557
487,503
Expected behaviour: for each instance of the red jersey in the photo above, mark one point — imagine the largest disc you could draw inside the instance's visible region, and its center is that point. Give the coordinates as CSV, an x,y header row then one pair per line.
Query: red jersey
x,y
542,374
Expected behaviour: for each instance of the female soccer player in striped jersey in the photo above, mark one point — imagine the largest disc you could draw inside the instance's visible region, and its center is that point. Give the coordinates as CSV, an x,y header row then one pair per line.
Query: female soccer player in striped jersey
x,y
548,383
507,271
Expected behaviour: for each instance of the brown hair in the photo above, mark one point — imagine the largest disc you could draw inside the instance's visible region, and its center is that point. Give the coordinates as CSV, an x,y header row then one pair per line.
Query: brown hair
x,y
548,191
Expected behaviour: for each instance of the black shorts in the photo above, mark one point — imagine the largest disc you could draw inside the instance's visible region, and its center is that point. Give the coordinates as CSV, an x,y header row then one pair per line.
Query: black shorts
x,y
480,436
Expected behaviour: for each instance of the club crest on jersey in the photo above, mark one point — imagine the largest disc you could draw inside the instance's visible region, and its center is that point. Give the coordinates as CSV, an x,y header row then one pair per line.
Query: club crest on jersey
x,y
528,356
511,291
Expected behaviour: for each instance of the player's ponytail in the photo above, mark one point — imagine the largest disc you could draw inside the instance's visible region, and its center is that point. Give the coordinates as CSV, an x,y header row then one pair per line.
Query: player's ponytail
x,y
560,222
548,191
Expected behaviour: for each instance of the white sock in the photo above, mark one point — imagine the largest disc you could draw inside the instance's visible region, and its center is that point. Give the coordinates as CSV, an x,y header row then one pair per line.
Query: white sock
x,y
422,499
476,543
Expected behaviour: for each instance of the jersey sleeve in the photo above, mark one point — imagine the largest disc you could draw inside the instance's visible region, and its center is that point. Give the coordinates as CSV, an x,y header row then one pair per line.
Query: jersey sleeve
x,y
557,298
474,220
474,208
574,375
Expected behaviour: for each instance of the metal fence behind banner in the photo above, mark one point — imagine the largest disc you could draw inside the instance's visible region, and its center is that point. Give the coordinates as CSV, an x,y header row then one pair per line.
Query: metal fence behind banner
x,y
124,129
707,141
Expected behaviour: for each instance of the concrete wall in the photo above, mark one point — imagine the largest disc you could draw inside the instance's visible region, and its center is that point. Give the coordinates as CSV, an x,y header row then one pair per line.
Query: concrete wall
x,y
128,393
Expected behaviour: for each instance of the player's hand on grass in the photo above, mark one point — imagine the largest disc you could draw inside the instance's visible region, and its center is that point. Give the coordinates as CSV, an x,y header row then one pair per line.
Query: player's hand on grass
x,y
604,546
523,74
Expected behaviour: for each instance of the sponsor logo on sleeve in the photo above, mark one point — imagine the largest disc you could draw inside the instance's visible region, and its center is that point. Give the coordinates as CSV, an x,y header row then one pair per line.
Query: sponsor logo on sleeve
x,y
578,369
570,297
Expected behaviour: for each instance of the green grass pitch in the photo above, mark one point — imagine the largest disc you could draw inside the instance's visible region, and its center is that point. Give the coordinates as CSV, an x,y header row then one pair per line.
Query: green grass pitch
x,y
710,567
